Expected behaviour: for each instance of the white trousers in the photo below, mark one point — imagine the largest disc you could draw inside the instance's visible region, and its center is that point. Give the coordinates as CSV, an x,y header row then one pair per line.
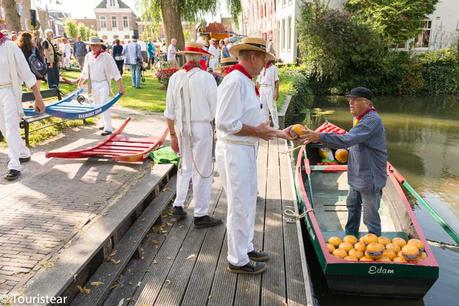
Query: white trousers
x,y
269,105
196,165
238,171
100,94
9,126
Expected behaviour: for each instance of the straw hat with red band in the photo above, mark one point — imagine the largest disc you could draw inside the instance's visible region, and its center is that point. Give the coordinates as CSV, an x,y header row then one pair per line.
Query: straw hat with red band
x,y
251,44
194,48
226,63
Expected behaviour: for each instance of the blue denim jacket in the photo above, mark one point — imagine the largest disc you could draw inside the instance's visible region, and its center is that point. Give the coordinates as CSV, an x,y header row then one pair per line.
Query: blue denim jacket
x,y
367,153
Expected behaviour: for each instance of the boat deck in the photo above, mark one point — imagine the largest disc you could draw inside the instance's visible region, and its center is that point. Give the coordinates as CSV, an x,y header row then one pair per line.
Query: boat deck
x,y
330,192
189,266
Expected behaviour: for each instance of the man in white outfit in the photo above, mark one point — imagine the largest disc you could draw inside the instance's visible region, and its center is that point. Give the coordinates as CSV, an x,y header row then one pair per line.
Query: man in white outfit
x,y
240,125
215,51
268,81
190,107
15,71
100,68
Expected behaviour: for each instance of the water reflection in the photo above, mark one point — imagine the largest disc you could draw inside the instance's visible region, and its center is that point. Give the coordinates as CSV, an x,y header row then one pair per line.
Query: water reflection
x,y
423,144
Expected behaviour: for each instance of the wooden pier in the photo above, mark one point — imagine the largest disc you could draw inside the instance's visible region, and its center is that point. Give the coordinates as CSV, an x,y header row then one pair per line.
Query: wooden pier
x,y
188,266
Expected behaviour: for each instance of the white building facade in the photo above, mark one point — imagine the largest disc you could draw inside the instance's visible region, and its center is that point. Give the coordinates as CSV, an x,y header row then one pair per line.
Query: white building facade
x,y
115,20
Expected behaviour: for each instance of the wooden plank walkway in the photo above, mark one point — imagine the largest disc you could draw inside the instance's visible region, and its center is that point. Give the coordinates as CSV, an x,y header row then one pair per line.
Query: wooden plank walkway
x,y
189,265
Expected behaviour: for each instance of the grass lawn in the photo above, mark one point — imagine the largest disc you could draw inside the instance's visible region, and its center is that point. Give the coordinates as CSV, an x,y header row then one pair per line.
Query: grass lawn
x,y
150,97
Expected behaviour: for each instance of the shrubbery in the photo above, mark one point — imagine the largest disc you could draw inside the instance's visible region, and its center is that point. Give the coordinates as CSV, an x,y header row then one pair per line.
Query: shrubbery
x,y
338,52
294,82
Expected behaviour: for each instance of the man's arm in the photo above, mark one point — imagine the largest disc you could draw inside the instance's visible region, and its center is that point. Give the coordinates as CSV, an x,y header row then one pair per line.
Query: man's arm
x,y
276,90
38,105
174,140
356,135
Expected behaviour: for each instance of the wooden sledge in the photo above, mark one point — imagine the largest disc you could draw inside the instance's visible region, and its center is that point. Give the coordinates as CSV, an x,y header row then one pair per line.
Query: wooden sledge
x,y
118,147
70,108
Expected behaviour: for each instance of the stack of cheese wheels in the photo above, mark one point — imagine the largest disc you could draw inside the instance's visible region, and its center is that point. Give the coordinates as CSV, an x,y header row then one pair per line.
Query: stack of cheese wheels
x,y
371,248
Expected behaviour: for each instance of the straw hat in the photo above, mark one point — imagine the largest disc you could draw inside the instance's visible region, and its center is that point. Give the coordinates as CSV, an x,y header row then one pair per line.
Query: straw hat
x,y
194,48
94,41
226,62
250,44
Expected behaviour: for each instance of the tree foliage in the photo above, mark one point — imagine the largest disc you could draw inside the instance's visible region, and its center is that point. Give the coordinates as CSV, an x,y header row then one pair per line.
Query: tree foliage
x,y
153,12
396,20
71,28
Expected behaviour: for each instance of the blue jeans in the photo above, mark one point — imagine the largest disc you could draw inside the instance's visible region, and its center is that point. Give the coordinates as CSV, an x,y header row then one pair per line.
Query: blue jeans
x,y
53,76
135,75
370,202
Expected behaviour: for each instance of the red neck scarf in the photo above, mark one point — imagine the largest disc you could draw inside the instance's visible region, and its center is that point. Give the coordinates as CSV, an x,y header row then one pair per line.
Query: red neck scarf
x,y
239,67
358,118
190,65
96,54
3,38
268,64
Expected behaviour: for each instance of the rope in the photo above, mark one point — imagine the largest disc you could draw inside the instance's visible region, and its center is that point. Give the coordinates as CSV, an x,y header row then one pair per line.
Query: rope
x,y
443,245
291,216
291,150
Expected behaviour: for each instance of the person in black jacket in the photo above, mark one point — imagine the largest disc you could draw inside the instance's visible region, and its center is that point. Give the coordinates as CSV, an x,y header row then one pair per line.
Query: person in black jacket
x,y
25,43
117,53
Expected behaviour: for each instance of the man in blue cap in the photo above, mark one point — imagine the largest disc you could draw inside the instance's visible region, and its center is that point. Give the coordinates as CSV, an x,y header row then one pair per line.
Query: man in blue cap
x,y
367,161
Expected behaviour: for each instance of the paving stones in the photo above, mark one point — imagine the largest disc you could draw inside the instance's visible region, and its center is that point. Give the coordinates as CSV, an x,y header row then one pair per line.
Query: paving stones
x,y
56,198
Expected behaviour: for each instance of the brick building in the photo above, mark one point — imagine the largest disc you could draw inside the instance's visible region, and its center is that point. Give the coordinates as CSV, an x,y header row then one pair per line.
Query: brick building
x,y
115,19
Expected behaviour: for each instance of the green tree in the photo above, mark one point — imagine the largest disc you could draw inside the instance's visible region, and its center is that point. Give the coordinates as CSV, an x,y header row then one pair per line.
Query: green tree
x,y
71,28
396,20
173,12
84,31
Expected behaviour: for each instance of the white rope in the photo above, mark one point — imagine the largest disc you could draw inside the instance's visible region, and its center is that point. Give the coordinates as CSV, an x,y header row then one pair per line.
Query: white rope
x,y
291,216
291,150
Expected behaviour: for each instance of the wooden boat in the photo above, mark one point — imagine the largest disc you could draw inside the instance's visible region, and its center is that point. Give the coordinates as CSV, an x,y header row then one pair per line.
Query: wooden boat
x,y
321,192
70,108
118,147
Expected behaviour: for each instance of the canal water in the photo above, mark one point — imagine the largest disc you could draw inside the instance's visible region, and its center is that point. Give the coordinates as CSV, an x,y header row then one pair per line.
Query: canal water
x,y
423,144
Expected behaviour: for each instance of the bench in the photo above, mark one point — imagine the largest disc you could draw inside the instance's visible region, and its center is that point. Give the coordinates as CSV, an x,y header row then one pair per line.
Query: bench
x,y
28,97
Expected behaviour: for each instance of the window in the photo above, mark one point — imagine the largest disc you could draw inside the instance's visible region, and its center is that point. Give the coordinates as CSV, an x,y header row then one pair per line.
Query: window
x,y
288,33
423,39
112,3
126,36
125,22
103,22
114,23
282,35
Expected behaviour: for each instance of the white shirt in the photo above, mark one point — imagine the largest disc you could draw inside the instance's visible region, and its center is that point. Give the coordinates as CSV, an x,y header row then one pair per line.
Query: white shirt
x,y
203,96
237,104
100,68
65,49
143,45
213,62
171,52
22,67
268,77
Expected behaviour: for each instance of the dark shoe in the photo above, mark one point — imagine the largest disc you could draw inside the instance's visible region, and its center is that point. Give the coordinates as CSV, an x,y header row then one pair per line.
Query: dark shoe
x,y
24,159
258,256
12,175
105,133
252,268
178,212
101,128
206,221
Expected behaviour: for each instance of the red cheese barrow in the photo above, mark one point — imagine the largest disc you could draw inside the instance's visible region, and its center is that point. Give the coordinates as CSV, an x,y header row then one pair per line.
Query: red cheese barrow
x,y
118,147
